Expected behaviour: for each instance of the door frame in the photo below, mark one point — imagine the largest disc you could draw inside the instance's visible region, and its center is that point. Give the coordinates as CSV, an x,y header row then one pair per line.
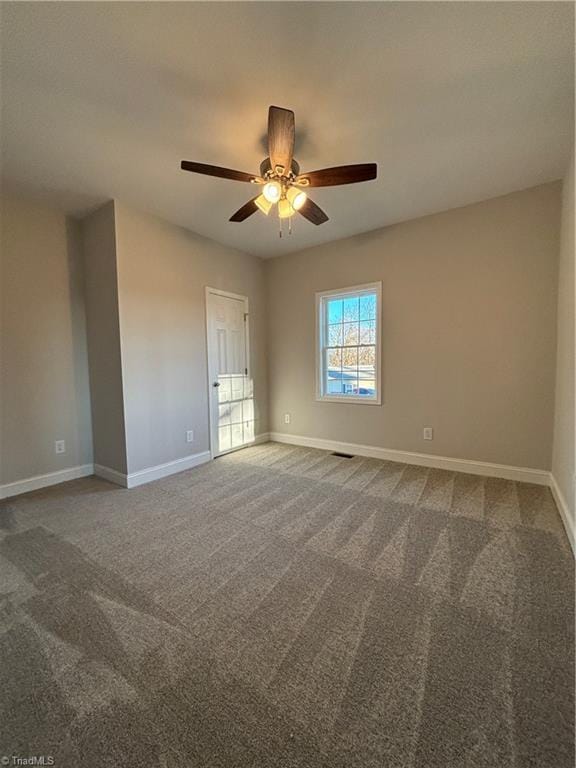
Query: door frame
x,y
209,372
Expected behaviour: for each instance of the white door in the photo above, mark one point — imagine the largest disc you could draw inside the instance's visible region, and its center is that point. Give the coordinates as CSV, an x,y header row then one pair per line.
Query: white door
x,y
229,381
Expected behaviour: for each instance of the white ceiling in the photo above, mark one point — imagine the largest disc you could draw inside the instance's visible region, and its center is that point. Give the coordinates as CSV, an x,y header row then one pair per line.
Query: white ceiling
x,y
456,102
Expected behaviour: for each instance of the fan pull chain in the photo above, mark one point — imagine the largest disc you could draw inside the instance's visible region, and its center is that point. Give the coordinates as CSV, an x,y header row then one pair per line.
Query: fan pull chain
x,y
281,226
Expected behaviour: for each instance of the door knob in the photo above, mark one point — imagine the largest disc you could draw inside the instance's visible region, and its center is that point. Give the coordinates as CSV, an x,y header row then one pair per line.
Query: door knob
x,y
216,384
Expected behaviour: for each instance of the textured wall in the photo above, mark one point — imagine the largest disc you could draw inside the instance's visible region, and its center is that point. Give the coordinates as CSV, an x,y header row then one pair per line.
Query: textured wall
x,y
469,332
44,371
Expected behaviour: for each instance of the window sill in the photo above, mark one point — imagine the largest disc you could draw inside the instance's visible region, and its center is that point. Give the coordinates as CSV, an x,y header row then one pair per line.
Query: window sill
x,y
349,399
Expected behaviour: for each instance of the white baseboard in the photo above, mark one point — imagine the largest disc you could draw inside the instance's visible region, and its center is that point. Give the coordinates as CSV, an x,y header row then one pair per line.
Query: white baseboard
x,y
148,475
486,469
119,478
131,480
567,518
43,481
522,474
163,470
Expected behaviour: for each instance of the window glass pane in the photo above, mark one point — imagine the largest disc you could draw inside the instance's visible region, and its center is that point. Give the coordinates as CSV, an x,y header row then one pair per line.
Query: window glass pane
x,y
335,335
367,356
333,374
224,438
237,387
350,370
334,310
350,331
225,388
236,412
248,410
351,309
350,360
350,386
366,388
237,434
223,414
334,358
368,307
367,331
333,384
248,431
367,371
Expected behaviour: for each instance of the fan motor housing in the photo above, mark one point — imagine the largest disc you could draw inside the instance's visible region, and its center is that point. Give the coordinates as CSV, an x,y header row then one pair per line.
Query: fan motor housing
x,y
266,167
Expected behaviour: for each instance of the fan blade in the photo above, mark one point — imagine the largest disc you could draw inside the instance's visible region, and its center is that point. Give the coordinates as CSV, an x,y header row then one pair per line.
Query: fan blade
x,y
313,212
342,174
247,210
216,170
281,132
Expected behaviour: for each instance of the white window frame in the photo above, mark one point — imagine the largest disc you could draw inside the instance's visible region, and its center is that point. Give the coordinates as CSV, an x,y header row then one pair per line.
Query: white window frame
x,y
321,333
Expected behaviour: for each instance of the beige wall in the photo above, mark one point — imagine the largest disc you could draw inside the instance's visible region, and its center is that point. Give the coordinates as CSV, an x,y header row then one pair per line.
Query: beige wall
x,y
563,462
469,332
469,318
101,286
44,371
163,271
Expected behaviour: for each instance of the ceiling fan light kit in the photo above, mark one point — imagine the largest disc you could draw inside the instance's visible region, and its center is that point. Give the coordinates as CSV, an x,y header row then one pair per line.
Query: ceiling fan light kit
x,y
296,197
280,175
272,191
285,210
263,204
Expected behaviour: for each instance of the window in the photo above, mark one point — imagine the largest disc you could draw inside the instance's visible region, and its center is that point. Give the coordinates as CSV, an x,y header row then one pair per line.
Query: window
x,y
348,353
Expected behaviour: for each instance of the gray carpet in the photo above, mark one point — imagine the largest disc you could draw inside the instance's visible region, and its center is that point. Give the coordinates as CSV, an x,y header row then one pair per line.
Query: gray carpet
x,y
281,607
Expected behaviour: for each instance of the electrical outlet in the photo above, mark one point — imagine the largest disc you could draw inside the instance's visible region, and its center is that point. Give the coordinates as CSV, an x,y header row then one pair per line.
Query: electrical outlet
x,y
60,446
428,433
287,418
189,435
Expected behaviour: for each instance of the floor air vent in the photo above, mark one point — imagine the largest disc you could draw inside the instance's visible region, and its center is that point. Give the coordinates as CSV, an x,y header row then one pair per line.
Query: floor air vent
x,y
342,455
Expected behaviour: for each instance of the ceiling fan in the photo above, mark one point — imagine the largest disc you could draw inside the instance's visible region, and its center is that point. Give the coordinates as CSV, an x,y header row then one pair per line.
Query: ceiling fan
x,y
280,178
